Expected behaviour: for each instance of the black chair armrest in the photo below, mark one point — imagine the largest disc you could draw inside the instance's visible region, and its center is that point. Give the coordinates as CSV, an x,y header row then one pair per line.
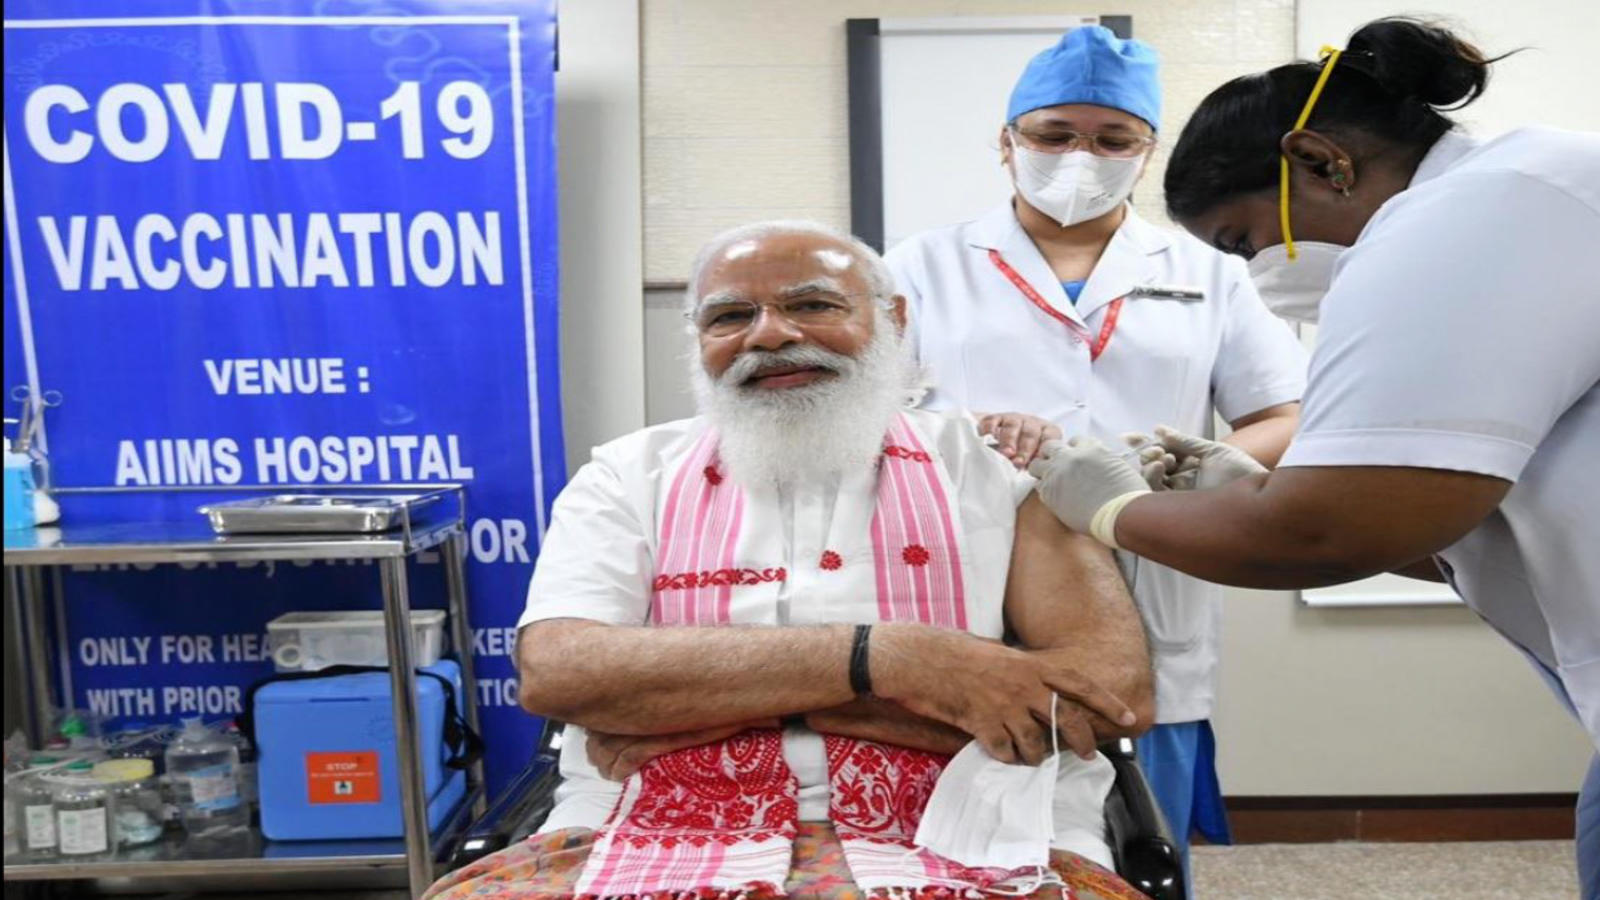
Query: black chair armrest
x,y
519,810
1141,843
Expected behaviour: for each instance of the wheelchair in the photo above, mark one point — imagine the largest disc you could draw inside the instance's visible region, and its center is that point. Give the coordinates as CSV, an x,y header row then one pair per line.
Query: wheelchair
x,y
1141,844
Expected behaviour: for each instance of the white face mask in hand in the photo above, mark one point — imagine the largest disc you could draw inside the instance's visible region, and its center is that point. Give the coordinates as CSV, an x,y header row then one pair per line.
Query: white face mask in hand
x,y
1294,288
1075,186
986,813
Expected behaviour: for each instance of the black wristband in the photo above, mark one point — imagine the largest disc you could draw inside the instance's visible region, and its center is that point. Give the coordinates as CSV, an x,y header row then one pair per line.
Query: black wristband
x,y
860,671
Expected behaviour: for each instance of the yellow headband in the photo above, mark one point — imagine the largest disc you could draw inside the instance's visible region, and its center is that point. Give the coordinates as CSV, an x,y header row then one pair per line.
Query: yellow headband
x,y
1330,57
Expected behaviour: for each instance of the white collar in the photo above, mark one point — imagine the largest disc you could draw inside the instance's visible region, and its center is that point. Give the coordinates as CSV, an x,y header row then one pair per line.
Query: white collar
x,y
999,227
1125,262
1442,156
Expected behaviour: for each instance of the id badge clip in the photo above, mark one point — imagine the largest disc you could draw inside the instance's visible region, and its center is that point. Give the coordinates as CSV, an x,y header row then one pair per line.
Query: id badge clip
x,y
1182,292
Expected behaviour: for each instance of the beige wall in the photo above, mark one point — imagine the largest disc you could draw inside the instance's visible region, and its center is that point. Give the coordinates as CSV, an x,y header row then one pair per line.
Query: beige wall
x,y
598,121
745,101
744,118
1396,700
1543,84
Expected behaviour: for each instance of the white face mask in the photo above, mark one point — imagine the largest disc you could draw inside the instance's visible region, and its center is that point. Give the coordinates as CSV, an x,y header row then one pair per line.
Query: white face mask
x,y
1294,288
985,813
1075,186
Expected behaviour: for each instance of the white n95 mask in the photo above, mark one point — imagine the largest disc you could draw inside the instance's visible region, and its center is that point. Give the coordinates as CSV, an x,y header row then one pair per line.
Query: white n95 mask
x,y
1076,186
1294,288
985,813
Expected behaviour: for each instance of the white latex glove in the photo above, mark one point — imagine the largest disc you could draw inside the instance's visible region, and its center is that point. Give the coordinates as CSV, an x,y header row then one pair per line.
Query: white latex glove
x,y
1155,463
1203,464
1085,483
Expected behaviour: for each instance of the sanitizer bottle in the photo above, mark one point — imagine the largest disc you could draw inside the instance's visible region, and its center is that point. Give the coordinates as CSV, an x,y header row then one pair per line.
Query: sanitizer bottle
x,y
20,491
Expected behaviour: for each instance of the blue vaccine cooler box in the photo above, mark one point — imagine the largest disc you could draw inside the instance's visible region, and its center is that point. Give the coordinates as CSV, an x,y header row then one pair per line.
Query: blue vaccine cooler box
x,y
327,759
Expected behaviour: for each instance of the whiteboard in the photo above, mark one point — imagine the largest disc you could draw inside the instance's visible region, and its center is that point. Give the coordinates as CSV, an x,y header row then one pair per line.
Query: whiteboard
x,y
944,85
1383,590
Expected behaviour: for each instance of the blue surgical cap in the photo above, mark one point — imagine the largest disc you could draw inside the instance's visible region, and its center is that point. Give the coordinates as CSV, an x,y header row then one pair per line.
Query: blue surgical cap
x,y
1092,65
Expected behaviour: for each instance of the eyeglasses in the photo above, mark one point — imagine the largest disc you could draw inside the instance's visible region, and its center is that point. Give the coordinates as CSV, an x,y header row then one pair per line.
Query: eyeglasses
x,y
1061,140
818,309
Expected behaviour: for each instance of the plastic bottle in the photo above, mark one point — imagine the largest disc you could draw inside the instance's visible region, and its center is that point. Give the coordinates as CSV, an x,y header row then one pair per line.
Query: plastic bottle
x,y
248,780
204,769
84,811
36,816
132,784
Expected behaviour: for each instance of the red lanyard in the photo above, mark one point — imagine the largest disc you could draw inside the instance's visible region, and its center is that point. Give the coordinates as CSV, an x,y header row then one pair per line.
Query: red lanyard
x,y
1096,346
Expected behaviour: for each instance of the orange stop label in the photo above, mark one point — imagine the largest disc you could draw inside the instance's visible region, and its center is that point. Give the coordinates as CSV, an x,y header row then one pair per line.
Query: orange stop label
x,y
342,777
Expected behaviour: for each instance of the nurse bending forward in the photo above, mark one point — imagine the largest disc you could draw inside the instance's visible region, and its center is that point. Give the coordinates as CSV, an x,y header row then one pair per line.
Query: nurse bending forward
x,y
1453,412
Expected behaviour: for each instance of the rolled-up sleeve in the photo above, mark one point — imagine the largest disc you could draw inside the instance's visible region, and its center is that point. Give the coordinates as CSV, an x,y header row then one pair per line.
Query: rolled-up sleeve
x,y
1457,332
1261,362
595,561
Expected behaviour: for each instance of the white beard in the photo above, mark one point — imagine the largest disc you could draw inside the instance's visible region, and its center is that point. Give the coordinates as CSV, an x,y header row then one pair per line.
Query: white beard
x,y
814,432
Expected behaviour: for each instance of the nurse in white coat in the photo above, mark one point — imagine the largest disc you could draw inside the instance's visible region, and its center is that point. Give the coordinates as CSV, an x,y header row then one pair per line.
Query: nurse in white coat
x,y
1064,304
1452,422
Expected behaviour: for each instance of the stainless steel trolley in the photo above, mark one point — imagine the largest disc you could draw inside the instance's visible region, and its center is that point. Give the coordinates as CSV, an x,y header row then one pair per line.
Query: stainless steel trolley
x,y
424,524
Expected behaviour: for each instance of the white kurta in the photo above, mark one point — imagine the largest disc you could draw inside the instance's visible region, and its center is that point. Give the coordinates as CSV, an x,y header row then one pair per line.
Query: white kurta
x,y
1168,362
598,561
1462,332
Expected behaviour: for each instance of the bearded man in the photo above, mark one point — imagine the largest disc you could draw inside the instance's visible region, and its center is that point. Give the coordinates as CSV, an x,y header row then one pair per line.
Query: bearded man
x,y
770,625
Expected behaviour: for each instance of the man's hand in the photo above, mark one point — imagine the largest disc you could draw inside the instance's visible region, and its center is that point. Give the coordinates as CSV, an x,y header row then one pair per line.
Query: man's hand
x,y
619,755
1019,435
1078,478
1203,464
1070,712
876,719
1000,696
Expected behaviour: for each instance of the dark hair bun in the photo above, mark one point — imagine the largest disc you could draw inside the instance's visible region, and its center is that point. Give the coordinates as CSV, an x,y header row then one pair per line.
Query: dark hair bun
x,y
1415,60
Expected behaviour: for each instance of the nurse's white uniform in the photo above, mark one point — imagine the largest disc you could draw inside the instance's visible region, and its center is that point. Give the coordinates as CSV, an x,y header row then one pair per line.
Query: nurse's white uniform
x,y
1172,362
1462,332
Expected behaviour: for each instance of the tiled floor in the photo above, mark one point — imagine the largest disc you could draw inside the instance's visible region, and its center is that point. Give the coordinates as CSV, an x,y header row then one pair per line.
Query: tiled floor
x,y
1524,870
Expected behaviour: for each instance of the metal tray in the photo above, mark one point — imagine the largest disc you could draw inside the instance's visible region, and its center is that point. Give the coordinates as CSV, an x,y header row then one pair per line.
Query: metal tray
x,y
314,513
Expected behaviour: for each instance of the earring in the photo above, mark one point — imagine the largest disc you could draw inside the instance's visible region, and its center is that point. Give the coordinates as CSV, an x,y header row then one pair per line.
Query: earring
x,y
1341,181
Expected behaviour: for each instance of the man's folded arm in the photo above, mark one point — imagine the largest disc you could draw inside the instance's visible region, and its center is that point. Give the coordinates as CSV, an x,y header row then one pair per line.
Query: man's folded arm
x,y
875,719
623,680
639,680
1067,601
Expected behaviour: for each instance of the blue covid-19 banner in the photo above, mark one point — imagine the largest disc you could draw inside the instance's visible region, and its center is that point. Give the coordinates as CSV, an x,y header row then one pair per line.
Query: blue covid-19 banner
x,y
267,243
